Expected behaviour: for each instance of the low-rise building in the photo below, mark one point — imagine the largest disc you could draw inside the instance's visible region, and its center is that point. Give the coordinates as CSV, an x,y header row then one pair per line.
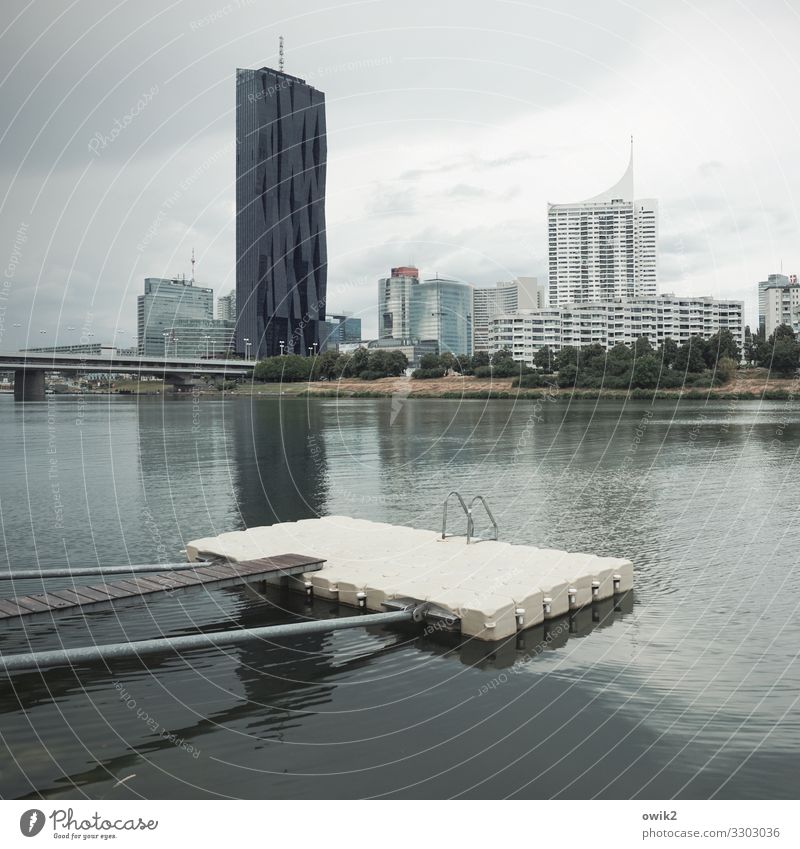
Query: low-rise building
x,y
414,349
612,322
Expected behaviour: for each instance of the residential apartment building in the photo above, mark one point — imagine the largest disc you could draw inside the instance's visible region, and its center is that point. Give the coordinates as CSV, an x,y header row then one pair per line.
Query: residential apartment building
x,y
522,293
603,248
609,323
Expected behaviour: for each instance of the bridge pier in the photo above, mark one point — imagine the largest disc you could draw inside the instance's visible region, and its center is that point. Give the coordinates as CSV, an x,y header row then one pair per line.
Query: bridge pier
x,y
182,382
28,385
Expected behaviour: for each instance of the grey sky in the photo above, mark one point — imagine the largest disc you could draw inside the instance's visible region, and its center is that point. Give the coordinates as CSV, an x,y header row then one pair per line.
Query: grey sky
x,y
451,124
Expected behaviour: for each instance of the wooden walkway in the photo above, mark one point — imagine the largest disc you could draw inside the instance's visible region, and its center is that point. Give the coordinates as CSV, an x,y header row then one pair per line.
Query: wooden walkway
x,y
219,574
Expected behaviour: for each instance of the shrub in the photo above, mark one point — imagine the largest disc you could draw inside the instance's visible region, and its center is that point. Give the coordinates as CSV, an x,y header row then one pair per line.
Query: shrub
x,y
427,373
532,380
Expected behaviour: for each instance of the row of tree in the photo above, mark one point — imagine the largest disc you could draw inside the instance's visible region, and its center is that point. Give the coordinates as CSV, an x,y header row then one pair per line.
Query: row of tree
x,y
331,365
500,364
698,362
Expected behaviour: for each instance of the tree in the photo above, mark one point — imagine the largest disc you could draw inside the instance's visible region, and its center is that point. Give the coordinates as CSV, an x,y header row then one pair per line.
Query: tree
x,y
543,359
646,372
327,366
689,356
429,361
357,362
780,352
721,345
618,361
502,356
398,363
463,364
593,360
667,352
567,375
447,361
479,360
286,369
567,356
642,346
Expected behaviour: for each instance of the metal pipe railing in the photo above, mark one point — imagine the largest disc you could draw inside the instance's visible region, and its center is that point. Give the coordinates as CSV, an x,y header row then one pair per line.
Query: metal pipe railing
x,y
19,574
216,639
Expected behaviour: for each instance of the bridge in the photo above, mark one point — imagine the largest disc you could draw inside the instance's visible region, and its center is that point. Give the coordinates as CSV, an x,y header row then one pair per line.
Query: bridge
x,y
180,372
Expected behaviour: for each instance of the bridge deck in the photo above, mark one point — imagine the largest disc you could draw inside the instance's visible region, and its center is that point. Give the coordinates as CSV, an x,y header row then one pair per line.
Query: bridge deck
x,y
219,574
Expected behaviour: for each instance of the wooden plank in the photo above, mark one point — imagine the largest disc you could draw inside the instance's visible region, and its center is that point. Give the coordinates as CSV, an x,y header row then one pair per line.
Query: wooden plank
x,y
148,585
203,576
167,582
54,600
113,591
221,571
93,595
31,603
135,587
9,608
74,597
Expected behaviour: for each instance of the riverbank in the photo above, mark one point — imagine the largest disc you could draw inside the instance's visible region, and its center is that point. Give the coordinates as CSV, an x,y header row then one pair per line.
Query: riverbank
x,y
752,383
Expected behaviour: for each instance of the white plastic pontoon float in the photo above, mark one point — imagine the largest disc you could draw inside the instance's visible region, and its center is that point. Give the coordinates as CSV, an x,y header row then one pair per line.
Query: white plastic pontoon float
x,y
492,589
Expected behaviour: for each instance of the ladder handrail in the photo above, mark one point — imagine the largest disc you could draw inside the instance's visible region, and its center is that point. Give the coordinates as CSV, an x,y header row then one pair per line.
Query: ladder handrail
x,y
464,507
488,513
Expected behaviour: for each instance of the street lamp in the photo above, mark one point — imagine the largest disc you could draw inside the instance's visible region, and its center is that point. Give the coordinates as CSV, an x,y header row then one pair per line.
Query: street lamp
x,y
283,345
247,349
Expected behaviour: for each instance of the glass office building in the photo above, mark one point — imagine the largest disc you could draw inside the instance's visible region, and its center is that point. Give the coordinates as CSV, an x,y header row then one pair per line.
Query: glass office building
x,y
164,302
200,338
281,250
437,310
442,310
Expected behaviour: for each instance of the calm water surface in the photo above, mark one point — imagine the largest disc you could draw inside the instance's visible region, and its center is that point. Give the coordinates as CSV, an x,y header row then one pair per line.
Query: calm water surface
x,y
687,688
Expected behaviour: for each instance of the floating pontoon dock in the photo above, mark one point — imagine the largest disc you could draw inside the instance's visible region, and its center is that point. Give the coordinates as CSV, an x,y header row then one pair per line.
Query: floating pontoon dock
x,y
491,588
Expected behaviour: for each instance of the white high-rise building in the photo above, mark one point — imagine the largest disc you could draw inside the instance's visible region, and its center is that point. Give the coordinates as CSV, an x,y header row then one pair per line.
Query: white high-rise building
x,y
226,306
522,293
603,248
609,323
782,304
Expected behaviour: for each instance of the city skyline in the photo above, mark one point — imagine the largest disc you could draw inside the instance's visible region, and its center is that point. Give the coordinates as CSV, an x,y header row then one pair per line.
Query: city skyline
x,y
467,204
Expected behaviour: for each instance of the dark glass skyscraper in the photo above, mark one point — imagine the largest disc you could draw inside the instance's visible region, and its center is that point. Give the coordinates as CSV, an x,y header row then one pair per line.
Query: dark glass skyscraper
x,y
281,251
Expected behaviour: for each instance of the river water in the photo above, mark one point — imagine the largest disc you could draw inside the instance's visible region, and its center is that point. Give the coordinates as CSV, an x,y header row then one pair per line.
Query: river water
x,y
687,687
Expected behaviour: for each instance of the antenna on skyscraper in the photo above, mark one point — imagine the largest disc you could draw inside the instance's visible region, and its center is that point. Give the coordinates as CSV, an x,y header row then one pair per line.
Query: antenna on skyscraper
x,y
192,266
280,53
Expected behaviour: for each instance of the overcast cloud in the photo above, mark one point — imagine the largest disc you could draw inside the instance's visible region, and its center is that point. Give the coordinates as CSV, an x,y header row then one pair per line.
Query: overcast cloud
x,y
451,124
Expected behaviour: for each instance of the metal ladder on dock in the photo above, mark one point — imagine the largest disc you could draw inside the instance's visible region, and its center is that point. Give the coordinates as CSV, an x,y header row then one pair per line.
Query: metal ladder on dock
x,y
468,513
